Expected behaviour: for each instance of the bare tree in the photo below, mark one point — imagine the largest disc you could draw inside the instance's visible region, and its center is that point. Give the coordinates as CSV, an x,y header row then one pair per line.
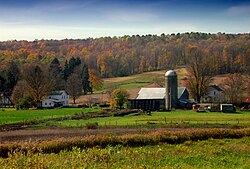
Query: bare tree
x,y
199,73
74,86
37,82
234,87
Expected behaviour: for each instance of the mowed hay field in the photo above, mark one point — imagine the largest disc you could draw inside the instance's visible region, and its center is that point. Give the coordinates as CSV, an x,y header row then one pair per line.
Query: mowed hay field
x,y
132,84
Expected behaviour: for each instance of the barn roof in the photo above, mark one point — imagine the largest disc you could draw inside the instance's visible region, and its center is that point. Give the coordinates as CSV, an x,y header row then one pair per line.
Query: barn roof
x,y
156,93
151,93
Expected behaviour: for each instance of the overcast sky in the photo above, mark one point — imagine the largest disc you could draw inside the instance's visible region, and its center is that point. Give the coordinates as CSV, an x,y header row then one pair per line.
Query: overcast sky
x,y
60,19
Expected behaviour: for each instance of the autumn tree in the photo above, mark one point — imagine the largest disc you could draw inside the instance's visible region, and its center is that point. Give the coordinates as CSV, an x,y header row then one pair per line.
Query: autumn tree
x,y
74,86
95,81
235,86
37,82
20,91
199,74
120,96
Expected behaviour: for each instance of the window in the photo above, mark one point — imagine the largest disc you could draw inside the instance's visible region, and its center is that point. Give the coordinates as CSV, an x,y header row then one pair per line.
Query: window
x,y
49,103
45,103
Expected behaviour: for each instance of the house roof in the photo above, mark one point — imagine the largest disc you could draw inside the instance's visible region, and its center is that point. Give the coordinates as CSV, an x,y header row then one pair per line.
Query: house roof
x,y
58,92
215,87
156,93
53,100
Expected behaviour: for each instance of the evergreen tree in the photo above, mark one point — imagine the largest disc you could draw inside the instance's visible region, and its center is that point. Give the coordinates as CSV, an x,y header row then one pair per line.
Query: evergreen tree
x,y
56,75
70,66
85,80
66,71
2,82
12,75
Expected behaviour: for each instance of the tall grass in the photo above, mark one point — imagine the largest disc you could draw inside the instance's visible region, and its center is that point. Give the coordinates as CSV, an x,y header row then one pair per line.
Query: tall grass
x,y
133,140
226,153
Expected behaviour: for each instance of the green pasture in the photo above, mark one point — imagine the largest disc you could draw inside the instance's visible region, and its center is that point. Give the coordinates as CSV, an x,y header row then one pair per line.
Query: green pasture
x,y
138,80
187,117
133,81
212,153
123,85
8,115
161,118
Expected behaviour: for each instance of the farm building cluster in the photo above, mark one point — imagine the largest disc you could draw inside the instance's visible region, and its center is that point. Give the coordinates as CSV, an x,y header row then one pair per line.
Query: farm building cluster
x,y
171,96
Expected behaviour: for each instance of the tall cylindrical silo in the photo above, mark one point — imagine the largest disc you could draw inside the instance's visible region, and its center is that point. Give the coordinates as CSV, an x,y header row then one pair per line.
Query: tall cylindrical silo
x,y
171,85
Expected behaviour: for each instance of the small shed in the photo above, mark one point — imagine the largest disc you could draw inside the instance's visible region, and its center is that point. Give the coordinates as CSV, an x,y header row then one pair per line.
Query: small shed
x,y
227,108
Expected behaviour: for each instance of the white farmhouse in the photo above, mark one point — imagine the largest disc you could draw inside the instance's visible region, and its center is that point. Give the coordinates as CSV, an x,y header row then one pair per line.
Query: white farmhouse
x,y
56,99
215,95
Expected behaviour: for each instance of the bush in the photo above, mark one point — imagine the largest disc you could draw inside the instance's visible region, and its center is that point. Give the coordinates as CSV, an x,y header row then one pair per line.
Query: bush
x,y
25,103
92,125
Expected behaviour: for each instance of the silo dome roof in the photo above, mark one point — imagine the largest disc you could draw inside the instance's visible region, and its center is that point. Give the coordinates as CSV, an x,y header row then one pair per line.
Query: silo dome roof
x,y
170,73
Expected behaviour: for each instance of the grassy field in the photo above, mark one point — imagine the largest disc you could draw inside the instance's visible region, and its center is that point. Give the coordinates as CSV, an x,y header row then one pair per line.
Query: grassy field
x,y
161,148
8,115
189,117
212,153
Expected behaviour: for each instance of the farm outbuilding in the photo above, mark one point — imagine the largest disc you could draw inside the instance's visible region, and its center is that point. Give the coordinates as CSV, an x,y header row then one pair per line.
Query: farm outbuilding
x,y
166,98
154,99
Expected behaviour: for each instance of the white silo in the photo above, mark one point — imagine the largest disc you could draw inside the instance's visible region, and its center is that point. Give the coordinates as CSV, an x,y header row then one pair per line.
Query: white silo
x,y
171,85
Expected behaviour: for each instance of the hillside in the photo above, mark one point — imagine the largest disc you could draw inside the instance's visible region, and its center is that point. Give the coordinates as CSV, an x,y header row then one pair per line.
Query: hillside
x,y
130,55
133,83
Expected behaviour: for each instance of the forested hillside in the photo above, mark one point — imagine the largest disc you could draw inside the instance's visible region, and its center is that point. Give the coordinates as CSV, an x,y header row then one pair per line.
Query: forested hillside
x,y
127,55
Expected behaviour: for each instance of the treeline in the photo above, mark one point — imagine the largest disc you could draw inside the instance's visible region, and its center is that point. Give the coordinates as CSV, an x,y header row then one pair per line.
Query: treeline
x,y
26,85
127,55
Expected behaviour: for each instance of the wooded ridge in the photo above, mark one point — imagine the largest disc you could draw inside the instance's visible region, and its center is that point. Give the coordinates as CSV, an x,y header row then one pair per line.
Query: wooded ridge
x,y
127,55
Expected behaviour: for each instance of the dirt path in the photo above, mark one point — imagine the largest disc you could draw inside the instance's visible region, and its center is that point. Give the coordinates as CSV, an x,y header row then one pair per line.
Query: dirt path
x,y
50,134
